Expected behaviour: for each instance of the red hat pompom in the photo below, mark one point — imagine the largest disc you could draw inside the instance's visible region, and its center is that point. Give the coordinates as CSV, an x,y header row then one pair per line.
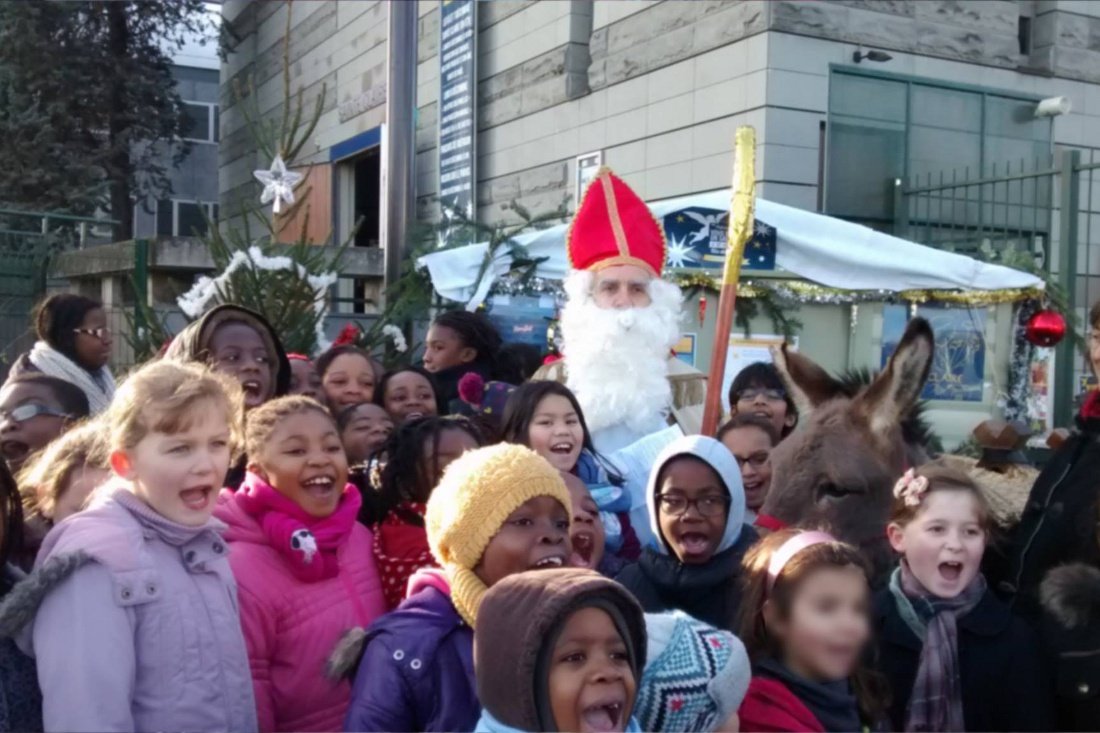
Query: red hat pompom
x,y
349,334
550,359
471,388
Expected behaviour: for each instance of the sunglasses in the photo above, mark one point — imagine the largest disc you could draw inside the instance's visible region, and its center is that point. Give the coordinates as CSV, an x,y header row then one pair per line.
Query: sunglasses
x,y
99,333
28,412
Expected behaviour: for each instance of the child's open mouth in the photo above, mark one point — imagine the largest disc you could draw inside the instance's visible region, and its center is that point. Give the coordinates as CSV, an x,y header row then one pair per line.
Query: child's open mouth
x,y
320,487
561,449
14,450
553,561
583,546
603,718
694,543
950,571
198,498
251,389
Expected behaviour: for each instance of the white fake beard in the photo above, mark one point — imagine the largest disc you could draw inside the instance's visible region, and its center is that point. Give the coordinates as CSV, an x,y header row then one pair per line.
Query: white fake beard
x,y
617,360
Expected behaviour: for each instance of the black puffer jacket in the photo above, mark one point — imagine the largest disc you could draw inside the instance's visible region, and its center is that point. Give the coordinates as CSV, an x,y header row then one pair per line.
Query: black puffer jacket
x,y
1059,522
710,592
1071,634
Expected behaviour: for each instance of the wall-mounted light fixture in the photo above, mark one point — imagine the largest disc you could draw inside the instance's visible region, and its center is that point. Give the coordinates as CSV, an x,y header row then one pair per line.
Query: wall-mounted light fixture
x,y
879,56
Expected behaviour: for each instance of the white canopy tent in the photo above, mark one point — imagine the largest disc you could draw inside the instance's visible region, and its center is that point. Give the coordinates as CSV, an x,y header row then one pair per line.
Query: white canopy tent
x,y
812,246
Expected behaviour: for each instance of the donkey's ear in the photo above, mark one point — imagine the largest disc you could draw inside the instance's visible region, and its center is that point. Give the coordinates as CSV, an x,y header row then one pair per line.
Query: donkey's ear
x,y
808,384
894,392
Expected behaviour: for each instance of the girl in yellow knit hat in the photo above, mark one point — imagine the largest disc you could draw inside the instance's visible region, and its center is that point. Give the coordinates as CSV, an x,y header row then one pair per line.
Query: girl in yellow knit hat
x,y
497,511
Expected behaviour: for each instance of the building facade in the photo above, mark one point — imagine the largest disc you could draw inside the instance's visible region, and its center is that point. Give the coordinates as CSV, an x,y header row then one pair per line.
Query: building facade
x,y
847,98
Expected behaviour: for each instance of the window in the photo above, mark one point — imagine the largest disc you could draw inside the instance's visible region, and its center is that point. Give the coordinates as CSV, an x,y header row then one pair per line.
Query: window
x,y
204,122
882,127
183,218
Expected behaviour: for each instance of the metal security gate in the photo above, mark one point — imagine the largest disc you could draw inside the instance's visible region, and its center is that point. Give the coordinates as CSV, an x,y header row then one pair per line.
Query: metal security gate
x,y
1049,209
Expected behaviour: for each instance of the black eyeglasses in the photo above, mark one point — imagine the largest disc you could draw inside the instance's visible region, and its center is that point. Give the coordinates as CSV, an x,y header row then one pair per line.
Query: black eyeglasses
x,y
28,412
99,333
675,505
769,393
756,460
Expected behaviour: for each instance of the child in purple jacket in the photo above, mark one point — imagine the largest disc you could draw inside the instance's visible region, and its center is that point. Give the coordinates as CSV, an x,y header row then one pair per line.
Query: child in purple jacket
x,y
497,511
131,612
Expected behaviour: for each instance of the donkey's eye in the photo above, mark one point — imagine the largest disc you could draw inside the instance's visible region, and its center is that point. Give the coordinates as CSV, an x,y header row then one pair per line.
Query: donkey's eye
x,y
830,490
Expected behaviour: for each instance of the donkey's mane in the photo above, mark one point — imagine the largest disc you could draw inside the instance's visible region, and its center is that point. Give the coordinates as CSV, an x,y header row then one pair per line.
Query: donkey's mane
x,y
915,428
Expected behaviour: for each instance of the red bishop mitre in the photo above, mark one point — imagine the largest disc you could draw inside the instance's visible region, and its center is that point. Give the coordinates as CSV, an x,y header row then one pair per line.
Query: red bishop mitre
x,y
613,226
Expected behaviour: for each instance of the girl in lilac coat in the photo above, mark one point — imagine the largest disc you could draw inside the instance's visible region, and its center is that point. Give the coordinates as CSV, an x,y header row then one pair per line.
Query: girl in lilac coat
x,y
131,612
303,562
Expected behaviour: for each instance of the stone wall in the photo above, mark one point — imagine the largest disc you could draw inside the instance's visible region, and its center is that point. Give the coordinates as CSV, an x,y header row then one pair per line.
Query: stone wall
x,y
335,45
659,86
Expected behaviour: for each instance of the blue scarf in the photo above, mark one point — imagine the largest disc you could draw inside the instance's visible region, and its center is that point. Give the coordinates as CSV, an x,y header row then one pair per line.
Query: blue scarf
x,y
610,499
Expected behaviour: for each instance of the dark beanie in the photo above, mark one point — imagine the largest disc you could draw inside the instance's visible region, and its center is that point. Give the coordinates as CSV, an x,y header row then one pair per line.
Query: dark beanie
x,y
517,626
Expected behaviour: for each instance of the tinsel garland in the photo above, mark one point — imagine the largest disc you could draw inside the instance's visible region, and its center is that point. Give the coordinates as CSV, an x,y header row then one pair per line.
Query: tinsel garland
x,y
1019,366
806,292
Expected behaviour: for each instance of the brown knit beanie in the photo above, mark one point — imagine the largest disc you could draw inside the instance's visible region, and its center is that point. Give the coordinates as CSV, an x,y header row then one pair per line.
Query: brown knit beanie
x,y
517,626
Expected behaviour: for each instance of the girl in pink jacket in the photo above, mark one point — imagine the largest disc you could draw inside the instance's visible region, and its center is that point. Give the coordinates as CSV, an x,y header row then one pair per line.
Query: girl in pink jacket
x,y
302,562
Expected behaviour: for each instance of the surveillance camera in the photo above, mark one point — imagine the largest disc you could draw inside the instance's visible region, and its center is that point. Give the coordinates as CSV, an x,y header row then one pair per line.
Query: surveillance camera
x,y
1053,106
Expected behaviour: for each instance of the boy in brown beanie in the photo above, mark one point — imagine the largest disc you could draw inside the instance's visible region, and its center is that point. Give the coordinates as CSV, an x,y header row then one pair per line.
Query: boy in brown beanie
x,y
497,511
560,650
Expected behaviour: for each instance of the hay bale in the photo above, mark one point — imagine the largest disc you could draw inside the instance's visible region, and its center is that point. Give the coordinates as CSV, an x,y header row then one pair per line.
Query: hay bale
x,y
1006,492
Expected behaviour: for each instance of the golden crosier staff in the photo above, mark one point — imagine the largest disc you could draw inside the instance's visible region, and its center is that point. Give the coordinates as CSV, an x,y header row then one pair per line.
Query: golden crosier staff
x,y
741,223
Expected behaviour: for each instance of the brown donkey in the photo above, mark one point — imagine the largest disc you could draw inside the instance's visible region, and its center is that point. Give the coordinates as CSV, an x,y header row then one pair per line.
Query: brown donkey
x,y
837,470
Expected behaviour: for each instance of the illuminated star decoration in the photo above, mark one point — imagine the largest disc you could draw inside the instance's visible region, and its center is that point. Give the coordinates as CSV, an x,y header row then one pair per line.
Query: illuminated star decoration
x,y
278,183
680,254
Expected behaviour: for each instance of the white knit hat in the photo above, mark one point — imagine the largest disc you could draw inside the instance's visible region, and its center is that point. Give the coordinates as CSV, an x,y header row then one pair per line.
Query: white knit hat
x,y
695,675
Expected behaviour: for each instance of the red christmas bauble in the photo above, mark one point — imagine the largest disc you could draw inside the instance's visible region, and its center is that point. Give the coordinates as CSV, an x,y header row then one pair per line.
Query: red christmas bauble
x,y
1045,328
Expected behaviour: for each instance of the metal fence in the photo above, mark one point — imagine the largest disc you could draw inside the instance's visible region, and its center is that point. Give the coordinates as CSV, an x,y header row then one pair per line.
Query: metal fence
x,y
27,241
1048,208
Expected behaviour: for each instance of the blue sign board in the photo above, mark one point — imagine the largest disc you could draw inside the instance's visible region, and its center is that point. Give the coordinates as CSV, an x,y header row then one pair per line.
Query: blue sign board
x,y
697,240
958,365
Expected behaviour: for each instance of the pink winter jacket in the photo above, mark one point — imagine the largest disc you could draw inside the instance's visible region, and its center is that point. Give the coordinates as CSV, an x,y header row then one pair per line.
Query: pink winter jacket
x,y
291,626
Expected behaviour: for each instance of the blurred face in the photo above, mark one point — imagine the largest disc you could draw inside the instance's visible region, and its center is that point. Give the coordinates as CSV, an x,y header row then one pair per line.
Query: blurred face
x,y
409,395
768,403
828,626
692,507
349,381
31,417
238,350
366,431
621,286
179,474
304,380
586,533
92,340
452,444
445,350
592,685
944,543
304,461
752,448
82,482
535,536
556,433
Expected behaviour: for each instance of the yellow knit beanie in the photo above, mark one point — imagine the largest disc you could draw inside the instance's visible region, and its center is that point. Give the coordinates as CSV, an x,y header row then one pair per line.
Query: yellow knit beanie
x,y
476,495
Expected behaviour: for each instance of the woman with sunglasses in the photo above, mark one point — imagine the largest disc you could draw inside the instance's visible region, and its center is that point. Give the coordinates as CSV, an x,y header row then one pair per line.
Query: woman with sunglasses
x,y
74,344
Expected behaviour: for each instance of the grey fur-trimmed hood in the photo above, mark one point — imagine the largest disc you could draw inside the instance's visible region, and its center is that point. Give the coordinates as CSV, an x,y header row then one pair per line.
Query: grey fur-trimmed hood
x,y
1071,595
21,603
